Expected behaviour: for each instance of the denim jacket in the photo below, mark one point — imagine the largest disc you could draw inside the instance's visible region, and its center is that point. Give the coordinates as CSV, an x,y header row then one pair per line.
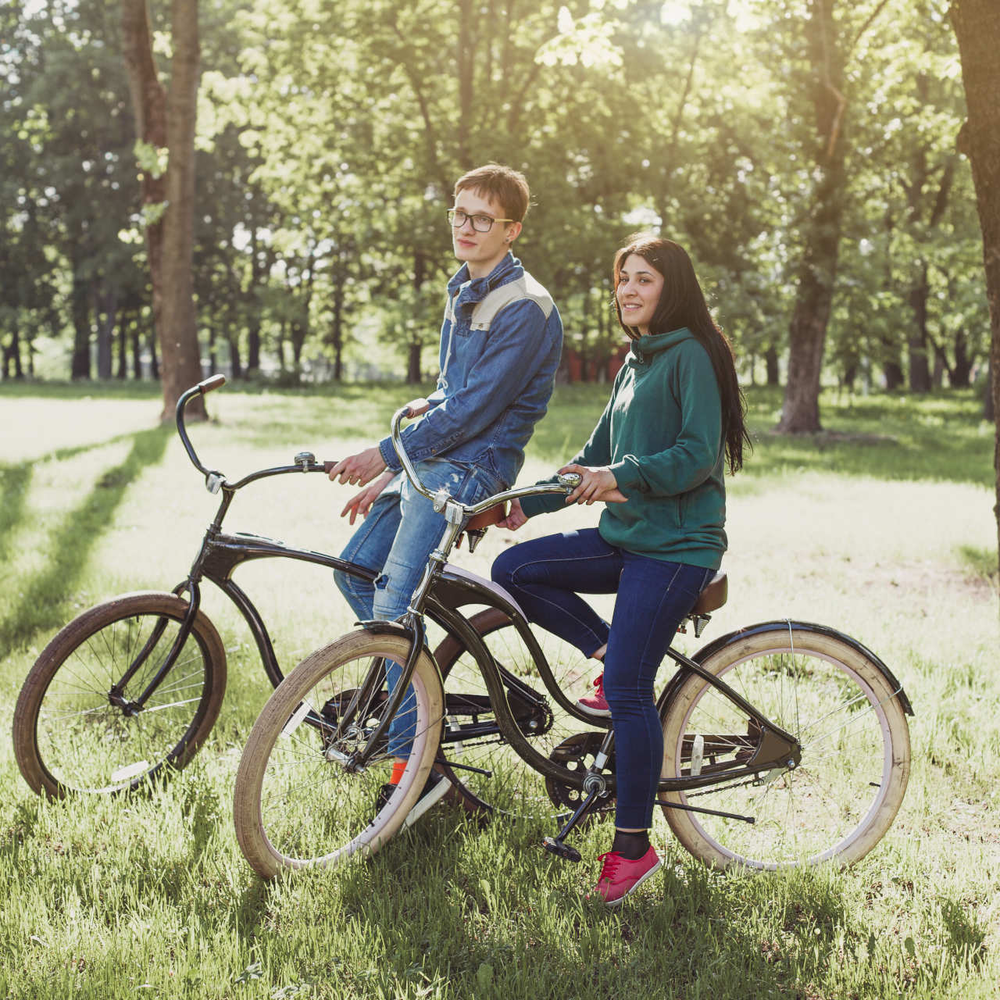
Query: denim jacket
x,y
494,384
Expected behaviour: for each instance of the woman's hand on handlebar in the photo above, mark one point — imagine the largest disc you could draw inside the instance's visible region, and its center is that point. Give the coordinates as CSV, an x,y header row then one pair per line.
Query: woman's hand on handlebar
x,y
595,484
359,469
515,517
361,503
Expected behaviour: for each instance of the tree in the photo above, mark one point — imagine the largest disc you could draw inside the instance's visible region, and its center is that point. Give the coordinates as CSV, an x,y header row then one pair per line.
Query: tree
x,y
977,28
165,121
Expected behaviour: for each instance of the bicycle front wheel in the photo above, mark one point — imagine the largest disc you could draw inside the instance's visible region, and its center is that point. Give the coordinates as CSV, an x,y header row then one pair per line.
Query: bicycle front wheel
x,y
70,736
299,801
843,795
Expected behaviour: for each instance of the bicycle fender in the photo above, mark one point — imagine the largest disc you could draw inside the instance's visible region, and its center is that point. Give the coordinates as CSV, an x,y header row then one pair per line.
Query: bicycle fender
x,y
377,627
456,587
783,626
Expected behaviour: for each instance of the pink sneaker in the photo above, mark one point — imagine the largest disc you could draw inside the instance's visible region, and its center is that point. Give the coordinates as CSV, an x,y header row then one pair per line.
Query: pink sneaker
x,y
621,877
595,703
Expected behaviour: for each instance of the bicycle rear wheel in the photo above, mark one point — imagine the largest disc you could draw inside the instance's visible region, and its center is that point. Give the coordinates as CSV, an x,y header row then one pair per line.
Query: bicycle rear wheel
x,y
298,803
70,738
475,756
843,795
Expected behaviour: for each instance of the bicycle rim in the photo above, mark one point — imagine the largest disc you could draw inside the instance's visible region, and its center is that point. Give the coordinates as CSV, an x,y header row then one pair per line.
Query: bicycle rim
x,y
298,803
70,738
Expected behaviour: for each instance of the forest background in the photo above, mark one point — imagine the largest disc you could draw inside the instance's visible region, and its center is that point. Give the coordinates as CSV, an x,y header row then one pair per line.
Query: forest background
x,y
804,152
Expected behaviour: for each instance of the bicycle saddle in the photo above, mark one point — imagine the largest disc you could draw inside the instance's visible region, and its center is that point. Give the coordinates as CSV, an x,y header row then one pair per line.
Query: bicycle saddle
x,y
713,596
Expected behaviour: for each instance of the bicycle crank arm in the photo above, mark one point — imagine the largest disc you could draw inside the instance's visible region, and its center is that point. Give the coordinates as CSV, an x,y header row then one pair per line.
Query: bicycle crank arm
x,y
707,812
555,845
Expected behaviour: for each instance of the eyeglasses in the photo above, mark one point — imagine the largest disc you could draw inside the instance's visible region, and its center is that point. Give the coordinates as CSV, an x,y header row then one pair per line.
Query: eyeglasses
x,y
481,223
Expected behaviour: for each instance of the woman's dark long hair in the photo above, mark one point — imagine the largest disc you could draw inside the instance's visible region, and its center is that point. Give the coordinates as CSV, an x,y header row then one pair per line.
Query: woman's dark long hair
x,y
682,303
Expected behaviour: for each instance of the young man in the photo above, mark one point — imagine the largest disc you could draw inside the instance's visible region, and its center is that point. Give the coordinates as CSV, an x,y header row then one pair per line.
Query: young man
x,y
500,345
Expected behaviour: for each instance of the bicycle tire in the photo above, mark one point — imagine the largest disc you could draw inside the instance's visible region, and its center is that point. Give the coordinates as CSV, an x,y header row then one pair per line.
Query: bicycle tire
x,y
510,787
843,795
69,738
295,806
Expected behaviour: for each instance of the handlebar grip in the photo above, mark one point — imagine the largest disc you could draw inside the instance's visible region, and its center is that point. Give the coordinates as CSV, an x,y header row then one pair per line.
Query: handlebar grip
x,y
212,382
415,407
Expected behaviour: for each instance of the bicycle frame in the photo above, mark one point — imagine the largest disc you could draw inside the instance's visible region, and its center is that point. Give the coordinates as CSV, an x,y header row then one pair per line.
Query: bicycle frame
x,y
777,747
218,558
443,589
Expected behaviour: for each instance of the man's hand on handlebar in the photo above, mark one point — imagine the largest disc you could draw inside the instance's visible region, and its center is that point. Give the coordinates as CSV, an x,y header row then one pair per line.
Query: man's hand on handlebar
x,y
515,517
361,503
595,484
359,469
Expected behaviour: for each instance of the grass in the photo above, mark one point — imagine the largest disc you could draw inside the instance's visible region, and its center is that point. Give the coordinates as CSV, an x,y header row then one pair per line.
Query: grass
x,y
881,526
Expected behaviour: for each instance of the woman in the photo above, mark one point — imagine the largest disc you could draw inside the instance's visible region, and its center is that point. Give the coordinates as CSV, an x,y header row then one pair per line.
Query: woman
x,y
657,458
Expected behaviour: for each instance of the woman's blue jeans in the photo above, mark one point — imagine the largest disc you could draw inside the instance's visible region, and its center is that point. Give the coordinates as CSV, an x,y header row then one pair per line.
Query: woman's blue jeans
x,y
400,532
546,575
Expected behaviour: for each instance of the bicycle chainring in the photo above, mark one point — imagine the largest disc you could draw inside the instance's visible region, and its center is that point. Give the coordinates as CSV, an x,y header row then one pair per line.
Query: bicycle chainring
x,y
576,753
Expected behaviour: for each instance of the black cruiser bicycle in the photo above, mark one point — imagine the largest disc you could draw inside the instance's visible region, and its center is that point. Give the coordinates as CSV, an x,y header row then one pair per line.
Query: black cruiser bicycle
x,y
129,689
785,742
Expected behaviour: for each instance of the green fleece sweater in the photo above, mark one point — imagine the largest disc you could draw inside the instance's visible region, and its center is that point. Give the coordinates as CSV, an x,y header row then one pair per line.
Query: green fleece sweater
x,y
661,436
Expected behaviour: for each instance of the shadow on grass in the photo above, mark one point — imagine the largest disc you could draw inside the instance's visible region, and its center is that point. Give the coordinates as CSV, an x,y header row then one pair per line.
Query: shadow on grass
x,y
472,919
14,480
42,599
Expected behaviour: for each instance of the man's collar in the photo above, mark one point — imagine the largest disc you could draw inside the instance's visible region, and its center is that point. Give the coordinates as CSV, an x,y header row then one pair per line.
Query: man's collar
x,y
478,288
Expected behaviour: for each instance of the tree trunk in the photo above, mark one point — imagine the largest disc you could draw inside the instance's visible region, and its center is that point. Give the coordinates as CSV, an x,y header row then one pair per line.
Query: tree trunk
x,y
920,371
818,270
958,377
977,27
893,375
136,348
465,60
235,361
413,362
337,324
105,313
80,310
257,273
154,357
167,120
12,355
771,365
122,341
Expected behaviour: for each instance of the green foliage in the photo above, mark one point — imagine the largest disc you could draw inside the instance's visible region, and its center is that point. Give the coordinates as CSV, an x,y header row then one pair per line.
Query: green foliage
x,y
330,136
150,159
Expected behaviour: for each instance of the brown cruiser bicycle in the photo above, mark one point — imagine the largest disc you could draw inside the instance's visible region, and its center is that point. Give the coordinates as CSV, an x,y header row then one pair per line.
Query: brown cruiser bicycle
x,y
785,742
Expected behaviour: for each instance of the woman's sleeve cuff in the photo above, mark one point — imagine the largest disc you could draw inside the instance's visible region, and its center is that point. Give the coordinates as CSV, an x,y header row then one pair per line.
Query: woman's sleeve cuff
x,y
626,473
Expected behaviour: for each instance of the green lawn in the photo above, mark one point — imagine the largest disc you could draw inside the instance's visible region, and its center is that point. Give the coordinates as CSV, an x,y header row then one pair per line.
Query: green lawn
x,y
881,526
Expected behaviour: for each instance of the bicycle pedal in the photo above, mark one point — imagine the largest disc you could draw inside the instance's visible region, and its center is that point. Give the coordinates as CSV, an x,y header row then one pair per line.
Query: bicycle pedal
x,y
561,850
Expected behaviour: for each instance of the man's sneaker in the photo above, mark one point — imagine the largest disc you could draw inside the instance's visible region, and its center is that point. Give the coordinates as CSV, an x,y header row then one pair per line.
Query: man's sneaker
x,y
595,703
436,789
621,877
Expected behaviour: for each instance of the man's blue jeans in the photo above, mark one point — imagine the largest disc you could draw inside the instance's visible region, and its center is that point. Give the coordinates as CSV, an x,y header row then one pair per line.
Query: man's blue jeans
x,y
397,537
546,575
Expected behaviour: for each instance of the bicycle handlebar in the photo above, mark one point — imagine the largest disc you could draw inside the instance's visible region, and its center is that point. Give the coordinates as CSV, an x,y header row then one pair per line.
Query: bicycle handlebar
x,y
206,385
566,483
214,480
